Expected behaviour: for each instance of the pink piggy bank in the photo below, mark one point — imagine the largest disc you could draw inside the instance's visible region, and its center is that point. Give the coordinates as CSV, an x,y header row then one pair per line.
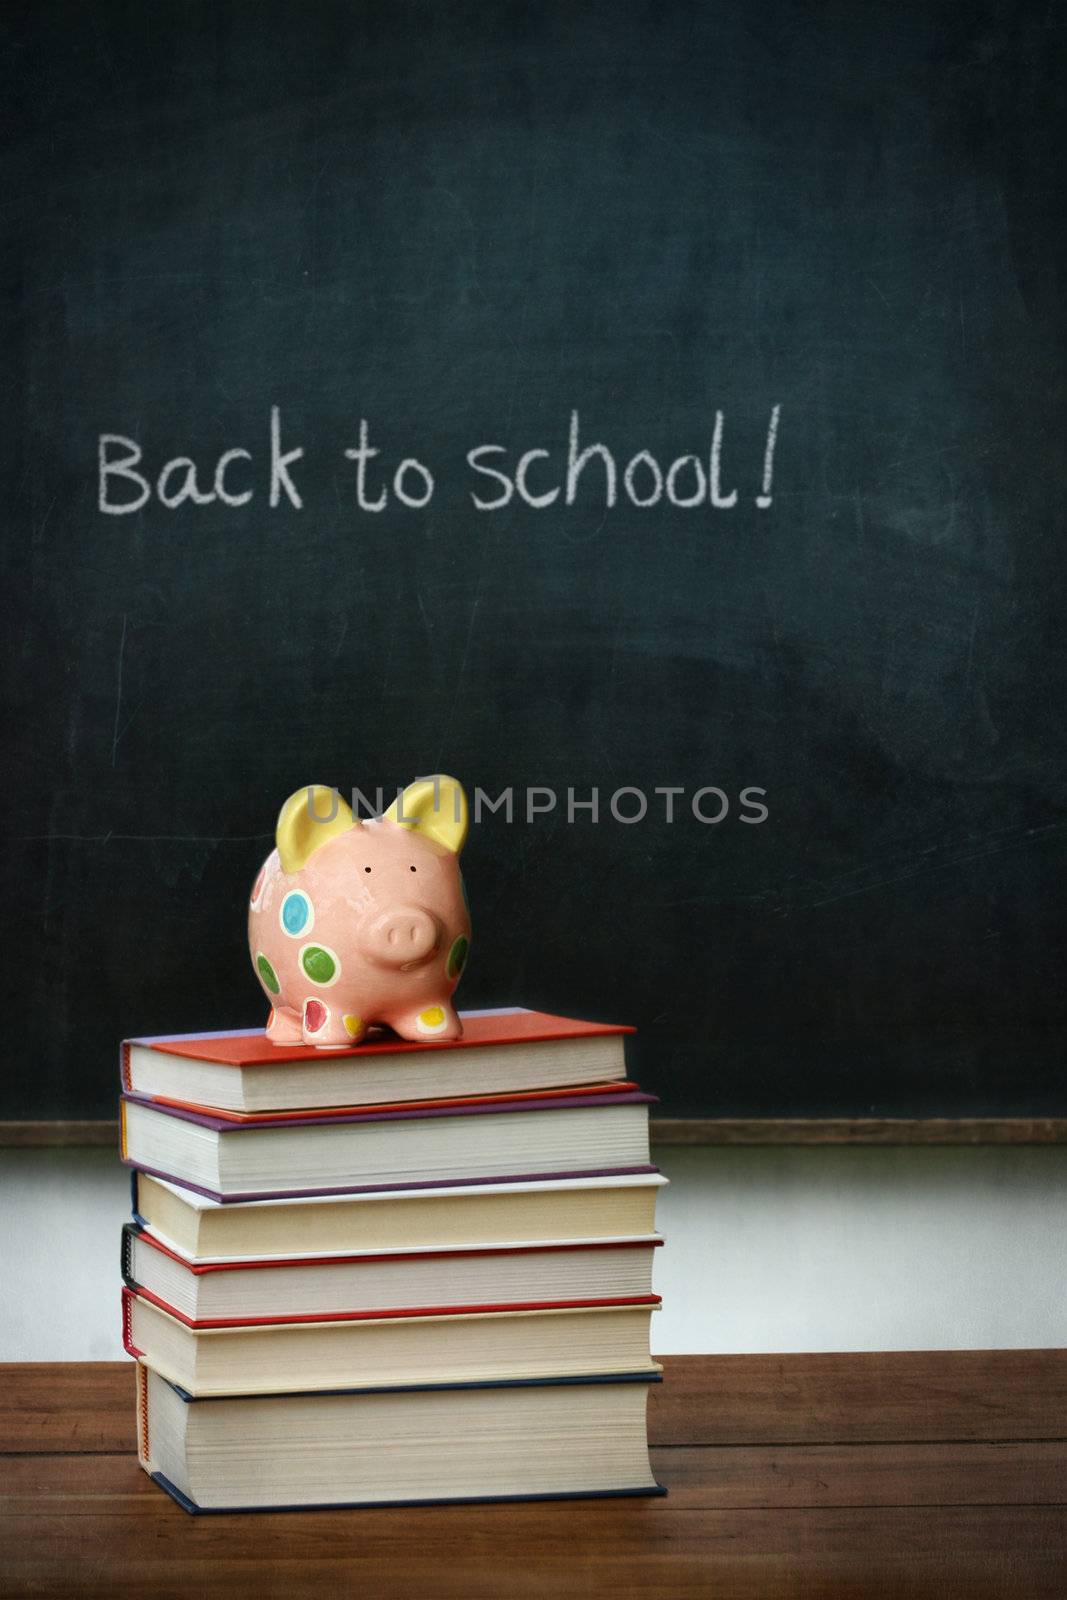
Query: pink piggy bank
x,y
355,922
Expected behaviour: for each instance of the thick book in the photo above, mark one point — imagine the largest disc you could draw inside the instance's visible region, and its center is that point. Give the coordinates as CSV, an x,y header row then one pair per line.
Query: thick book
x,y
218,1294
574,1209
500,1051
439,1446
564,1133
374,1351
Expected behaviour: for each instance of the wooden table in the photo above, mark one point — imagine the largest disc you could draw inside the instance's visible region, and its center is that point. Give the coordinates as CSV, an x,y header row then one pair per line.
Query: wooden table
x,y
921,1475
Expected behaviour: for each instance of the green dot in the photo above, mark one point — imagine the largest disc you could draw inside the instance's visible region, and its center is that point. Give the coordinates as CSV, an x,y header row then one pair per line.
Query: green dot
x,y
457,957
267,974
318,963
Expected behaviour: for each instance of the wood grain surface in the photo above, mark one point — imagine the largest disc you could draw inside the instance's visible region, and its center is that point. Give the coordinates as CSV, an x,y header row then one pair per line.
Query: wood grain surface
x,y
911,1474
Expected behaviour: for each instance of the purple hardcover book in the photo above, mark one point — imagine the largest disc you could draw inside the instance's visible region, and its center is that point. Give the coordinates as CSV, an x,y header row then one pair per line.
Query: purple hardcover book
x,y
229,1127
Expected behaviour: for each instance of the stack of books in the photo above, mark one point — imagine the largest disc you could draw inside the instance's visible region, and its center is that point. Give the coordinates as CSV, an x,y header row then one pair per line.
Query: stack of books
x,y
395,1274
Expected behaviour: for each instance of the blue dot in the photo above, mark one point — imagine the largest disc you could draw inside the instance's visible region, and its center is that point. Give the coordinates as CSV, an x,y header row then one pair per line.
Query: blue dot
x,y
296,912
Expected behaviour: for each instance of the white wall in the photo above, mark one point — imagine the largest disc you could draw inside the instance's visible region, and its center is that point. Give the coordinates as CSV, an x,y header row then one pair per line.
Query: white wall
x,y
864,1249
768,1250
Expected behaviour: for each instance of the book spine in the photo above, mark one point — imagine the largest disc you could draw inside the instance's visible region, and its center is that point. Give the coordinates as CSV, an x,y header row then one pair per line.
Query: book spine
x,y
144,1451
135,1199
126,1253
127,1326
124,1065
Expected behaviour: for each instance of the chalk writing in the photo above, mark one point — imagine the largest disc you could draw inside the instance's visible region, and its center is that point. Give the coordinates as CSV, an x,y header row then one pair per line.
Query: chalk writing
x,y
588,473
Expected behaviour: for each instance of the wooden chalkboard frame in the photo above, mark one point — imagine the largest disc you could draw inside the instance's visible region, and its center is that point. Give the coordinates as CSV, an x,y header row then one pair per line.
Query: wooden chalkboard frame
x,y
693,1131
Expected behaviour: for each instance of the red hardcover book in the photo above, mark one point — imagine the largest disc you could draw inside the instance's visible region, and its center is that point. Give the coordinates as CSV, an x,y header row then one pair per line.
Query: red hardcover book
x,y
501,1052
439,1345
388,1283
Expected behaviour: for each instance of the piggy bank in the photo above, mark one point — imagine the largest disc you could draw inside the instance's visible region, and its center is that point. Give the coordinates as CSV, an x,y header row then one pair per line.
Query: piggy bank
x,y
353,922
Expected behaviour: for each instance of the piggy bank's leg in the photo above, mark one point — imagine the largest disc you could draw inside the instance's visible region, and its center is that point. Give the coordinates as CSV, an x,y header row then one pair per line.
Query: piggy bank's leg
x,y
328,1027
283,1026
435,1022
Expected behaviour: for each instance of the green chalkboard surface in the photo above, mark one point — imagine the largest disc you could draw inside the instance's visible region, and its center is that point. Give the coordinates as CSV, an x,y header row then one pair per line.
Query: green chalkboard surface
x,y
312,317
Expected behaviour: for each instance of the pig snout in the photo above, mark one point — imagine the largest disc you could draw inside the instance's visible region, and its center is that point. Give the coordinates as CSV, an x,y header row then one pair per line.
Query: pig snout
x,y
400,937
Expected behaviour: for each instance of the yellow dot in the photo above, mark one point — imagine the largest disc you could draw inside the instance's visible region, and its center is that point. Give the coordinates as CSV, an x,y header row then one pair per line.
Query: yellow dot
x,y
433,1018
353,1026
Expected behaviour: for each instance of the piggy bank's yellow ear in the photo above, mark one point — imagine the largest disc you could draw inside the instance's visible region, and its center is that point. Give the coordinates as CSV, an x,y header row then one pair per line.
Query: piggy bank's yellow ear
x,y
308,820
437,807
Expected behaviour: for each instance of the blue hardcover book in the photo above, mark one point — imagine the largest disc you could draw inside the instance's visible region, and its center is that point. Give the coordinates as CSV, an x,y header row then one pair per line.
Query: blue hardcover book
x,y
430,1444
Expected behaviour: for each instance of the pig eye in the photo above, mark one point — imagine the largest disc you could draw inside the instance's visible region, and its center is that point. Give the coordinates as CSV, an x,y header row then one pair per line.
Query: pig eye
x,y
366,869
414,869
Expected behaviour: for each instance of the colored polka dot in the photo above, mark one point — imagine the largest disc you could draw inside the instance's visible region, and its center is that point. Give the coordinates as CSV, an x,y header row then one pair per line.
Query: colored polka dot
x,y
257,887
267,975
354,1026
297,914
320,963
432,1020
457,957
315,1014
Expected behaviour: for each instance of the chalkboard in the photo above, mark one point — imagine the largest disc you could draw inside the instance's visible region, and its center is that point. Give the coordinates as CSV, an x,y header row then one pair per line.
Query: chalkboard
x,y
794,268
